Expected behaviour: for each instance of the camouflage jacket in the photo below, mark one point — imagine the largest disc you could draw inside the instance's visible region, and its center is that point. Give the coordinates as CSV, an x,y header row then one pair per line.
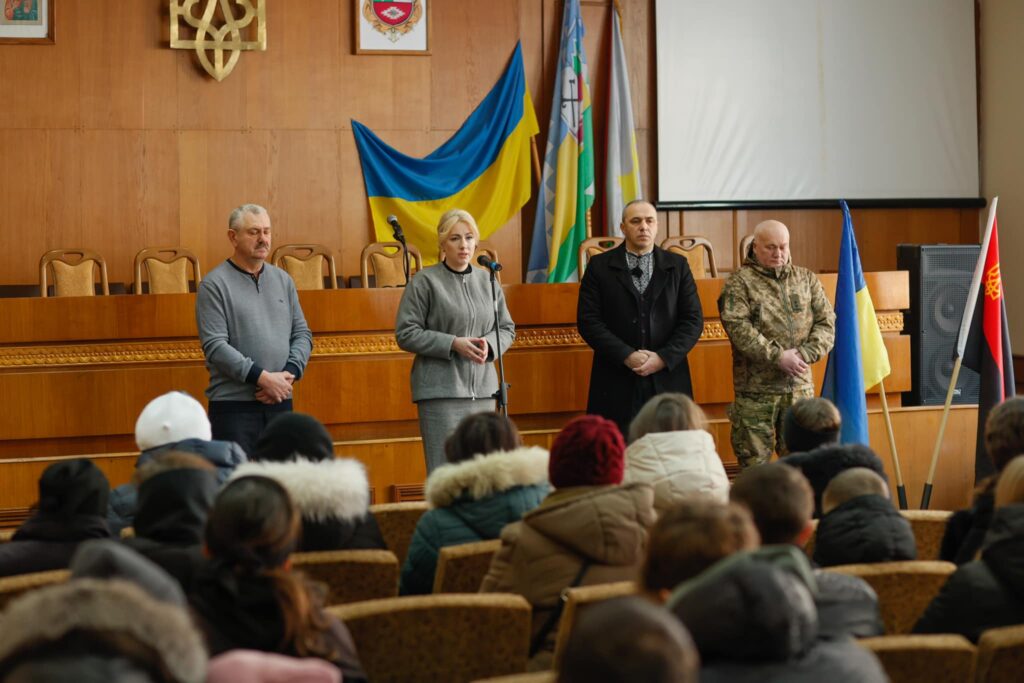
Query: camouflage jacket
x,y
768,310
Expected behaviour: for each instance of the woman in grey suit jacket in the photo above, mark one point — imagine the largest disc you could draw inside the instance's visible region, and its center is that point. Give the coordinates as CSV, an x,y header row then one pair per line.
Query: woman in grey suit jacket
x,y
447,319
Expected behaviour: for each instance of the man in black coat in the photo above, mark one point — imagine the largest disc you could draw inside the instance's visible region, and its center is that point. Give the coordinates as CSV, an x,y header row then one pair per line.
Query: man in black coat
x,y
638,309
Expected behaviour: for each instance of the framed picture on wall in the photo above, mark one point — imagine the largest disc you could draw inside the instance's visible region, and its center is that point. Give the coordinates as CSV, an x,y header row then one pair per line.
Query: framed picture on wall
x,y
26,22
386,27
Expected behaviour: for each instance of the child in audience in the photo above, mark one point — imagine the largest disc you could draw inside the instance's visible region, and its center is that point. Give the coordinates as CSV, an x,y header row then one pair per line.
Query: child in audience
x,y
810,423
490,481
781,500
72,508
627,640
332,494
1004,440
860,524
589,530
987,592
825,462
246,596
670,449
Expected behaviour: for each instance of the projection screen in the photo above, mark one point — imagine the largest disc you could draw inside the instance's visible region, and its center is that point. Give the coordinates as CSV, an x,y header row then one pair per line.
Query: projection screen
x,y
795,100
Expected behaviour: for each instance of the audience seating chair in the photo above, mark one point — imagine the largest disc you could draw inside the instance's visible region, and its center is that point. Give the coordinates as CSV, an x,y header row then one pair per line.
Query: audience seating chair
x,y
384,261
305,263
924,658
904,588
592,246
809,546
6,534
351,575
538,677
929,527
72,272
578,599
13,586
462,568
1001,655
694,248
397,522
166,270
451,638
745,243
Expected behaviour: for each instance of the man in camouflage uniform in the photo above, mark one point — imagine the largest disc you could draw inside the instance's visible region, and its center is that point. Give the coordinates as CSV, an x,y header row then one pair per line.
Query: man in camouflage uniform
x,y
779,323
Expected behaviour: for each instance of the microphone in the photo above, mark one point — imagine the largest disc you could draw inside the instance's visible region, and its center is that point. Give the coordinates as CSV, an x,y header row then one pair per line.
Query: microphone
x,y
487,262
396,229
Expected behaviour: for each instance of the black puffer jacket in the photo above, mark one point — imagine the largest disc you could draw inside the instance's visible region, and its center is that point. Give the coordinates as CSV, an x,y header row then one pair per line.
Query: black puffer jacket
x,y
864,529
754,621
988,592
966,529
847,606
824,463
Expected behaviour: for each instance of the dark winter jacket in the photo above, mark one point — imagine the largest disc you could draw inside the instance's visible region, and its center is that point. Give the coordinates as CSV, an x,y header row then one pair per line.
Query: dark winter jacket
x,y
847,606
864,529
333,497
966,529
110,559
987,592
824,463
472,501
754,620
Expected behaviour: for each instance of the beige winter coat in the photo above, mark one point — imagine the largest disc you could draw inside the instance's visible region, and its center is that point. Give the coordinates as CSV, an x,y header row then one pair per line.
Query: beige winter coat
x,y
677,465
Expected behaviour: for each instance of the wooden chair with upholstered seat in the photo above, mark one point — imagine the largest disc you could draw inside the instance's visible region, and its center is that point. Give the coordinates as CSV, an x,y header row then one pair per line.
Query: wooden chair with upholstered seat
x,y
351,575
13,586
462,568
537,677
72,272
6,535
578,599
383,260
305,263
592,246
924,658
165,271
452,638
929,526
397,522
745,243
695,249
904,588
485,248
1001,655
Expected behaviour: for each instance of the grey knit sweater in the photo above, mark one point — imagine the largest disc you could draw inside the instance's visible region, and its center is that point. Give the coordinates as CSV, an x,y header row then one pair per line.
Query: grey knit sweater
x,y
246,327
439,305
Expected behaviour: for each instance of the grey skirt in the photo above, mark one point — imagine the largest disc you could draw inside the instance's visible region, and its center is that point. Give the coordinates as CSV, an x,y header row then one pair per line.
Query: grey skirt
x,y
438,419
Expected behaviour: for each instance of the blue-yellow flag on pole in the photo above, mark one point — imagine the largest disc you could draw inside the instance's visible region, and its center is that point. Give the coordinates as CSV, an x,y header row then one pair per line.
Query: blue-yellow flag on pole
x,y
622,179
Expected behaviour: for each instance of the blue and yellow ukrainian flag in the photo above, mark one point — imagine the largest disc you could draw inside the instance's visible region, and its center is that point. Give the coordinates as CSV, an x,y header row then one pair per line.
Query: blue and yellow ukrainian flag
x,y
483,168
859,359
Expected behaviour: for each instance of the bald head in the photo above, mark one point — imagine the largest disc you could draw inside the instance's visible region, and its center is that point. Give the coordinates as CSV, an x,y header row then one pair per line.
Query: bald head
x,y
771,244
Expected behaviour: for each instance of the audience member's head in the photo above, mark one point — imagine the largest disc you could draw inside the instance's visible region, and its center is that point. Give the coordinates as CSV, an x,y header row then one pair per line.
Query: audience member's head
x,y
171,460
587,452
73,488
294,435
629,639
690,537
809,423
780,499
850,484
666,413
480,434
1004,432
109,559
1010,489
253,525
171,418
176,491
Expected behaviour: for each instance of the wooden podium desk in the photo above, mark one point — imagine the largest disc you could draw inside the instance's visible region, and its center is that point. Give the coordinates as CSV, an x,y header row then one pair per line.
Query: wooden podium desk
x,y
76,372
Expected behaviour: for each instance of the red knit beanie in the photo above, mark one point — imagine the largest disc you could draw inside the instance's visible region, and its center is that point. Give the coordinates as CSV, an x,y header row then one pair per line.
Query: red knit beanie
x,y
587,452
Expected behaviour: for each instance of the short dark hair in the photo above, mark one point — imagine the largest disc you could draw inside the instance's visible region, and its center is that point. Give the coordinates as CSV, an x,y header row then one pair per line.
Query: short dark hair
x,y
480,434
170,460
779,497
691,536
809,423
852,483
1004,432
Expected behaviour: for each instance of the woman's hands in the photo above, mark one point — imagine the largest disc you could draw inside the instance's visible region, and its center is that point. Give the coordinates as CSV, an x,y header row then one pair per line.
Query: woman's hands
x,y
471,348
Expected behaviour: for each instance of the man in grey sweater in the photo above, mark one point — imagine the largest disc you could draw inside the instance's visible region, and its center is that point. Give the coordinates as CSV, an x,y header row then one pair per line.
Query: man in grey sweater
x,y
253,333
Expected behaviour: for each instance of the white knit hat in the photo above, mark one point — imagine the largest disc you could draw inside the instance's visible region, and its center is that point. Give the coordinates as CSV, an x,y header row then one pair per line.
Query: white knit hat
x,y
170,418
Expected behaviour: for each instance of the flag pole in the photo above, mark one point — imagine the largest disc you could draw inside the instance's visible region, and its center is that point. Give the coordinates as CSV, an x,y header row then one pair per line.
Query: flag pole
x,y
901,490
535,153
926,495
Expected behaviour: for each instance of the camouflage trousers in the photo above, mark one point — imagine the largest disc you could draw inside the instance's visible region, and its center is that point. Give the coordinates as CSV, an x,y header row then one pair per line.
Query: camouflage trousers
x,y
757,425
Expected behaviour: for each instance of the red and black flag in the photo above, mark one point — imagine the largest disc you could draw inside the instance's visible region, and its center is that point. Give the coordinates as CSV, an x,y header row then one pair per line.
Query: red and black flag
x,y
984,341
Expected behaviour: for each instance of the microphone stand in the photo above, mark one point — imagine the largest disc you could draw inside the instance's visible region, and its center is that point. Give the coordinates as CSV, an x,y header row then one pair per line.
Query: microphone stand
x,y
400,237
501,395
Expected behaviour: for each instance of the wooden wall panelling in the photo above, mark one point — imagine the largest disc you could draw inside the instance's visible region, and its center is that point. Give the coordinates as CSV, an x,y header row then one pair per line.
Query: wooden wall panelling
x,y
716,226
19,478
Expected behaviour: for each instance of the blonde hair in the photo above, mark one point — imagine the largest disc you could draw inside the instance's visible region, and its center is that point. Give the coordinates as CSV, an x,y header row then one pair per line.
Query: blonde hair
x,y
1010,488
666,413
450,219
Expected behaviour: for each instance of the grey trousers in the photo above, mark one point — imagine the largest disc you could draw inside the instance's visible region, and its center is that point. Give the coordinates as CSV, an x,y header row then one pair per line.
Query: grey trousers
x,y
438,419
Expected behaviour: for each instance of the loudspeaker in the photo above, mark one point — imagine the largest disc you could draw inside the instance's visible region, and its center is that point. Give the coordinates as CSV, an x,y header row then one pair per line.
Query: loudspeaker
x,y
940,279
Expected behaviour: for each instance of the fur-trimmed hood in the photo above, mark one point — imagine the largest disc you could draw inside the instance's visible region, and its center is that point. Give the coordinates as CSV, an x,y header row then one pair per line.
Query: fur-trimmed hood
x,y
107,607
486,475
328,489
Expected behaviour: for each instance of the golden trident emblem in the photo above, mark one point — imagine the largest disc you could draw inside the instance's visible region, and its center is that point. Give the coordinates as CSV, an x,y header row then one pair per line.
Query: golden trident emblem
x,y
993,283
224,37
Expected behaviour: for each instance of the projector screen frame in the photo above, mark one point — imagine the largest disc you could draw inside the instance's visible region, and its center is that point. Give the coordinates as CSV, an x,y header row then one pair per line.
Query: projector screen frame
x,y
888,203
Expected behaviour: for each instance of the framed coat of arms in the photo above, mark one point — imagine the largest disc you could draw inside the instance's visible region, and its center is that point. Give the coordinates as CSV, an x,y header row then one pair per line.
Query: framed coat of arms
x,y
390,27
